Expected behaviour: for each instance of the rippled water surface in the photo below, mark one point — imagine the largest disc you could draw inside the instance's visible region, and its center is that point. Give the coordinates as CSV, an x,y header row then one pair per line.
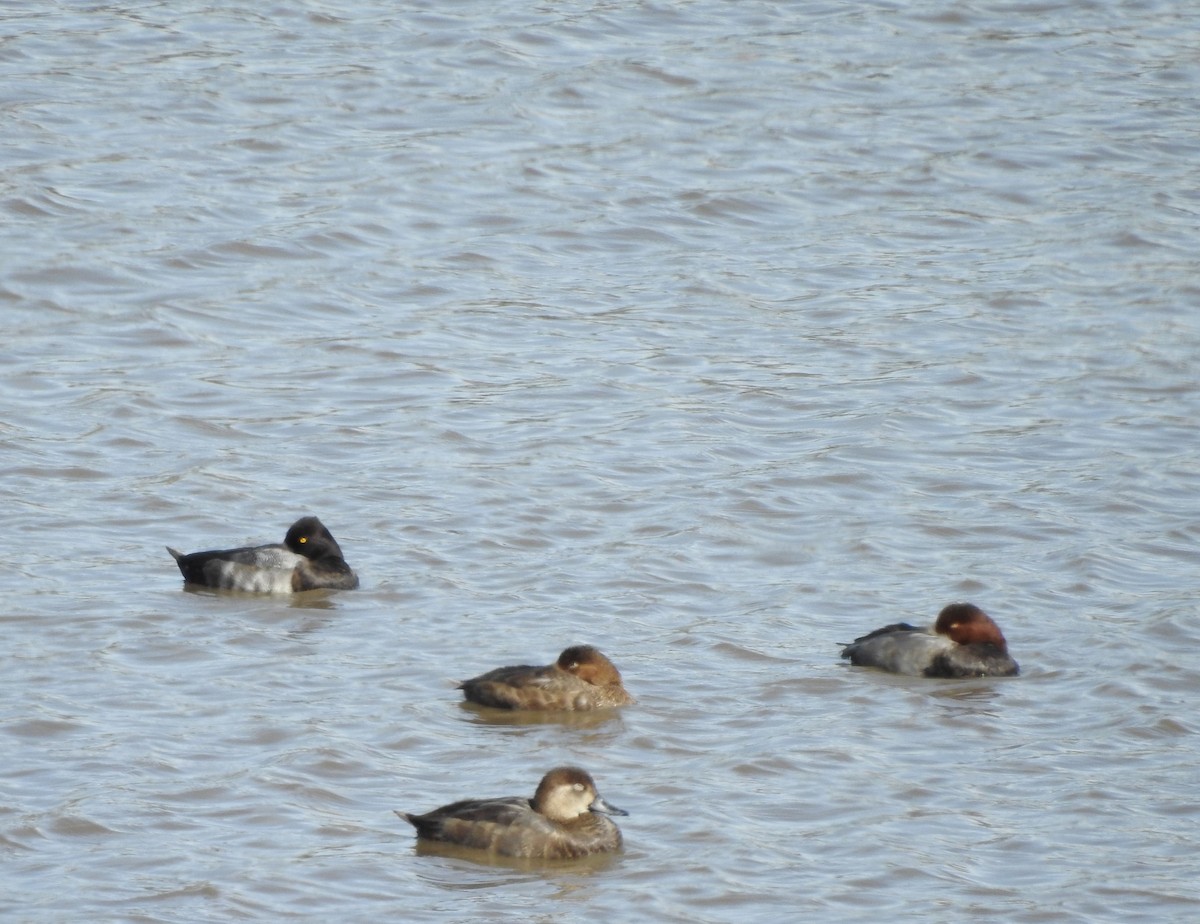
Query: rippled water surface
x,y
712,334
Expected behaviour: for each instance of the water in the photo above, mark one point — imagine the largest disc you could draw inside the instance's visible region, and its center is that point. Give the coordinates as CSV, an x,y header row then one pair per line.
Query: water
x,y
711,334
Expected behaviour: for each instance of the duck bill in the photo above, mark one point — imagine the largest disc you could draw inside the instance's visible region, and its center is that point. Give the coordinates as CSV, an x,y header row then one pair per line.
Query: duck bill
x,y
599,805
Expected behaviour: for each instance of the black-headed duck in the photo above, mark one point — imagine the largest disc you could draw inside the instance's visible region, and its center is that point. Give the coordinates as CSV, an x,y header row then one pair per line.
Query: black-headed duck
x,y
308,558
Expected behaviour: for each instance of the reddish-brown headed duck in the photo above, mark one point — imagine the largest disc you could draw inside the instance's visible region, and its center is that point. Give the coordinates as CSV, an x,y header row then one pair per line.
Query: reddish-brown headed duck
x,y
582,678
964,642
564,819
308,558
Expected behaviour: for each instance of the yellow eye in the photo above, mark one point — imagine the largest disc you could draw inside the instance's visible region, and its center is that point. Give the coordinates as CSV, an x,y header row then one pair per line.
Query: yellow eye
x,y
303,539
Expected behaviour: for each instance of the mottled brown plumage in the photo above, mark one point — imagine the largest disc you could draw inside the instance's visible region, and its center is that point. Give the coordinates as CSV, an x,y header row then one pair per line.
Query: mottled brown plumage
x,y
582,678
564,819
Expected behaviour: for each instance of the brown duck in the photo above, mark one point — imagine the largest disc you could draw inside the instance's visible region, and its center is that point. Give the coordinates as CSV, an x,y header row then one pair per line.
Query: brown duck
x,y
565,819
582,678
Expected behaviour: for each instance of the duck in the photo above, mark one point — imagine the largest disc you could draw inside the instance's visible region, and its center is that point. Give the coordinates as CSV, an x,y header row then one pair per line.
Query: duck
x,y
565,819
963,642
581,679
308,558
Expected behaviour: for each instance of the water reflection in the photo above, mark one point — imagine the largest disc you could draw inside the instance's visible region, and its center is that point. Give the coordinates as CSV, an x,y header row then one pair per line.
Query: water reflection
x,y
970,691
587,866
610,719
973,698
305,600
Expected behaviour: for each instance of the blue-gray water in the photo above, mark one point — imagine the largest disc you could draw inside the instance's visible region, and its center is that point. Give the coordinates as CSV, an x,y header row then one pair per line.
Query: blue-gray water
x,y
712,334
